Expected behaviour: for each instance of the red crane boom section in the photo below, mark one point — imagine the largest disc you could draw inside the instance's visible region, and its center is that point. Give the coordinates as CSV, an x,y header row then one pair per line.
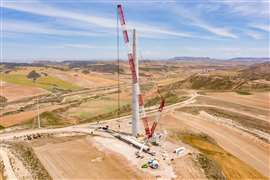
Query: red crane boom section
x,y
149,133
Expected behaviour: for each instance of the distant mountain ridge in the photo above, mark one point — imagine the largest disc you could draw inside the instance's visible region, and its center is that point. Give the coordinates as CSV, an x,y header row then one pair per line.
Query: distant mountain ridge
x,y
189,58
248,59
176,58
260,59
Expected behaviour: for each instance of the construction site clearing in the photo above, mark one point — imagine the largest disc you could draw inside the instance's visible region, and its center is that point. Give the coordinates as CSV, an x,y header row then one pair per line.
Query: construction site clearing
x,y
89,149
201,125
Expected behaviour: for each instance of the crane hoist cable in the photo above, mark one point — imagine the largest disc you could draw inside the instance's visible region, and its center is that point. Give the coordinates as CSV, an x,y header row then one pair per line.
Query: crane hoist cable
x,y
118,68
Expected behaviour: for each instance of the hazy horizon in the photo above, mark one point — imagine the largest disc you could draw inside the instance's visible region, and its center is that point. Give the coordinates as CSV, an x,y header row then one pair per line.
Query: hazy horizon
x,y
25,60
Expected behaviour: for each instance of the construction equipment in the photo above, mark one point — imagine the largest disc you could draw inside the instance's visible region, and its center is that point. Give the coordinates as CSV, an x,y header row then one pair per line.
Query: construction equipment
x,y
148,132
179,151
153,163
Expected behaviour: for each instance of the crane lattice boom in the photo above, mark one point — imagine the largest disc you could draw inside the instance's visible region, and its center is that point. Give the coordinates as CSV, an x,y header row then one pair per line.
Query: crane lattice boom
x,y
149,133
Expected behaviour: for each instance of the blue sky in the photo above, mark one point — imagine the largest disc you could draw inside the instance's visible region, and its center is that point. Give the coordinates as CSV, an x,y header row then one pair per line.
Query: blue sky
x,y
84,29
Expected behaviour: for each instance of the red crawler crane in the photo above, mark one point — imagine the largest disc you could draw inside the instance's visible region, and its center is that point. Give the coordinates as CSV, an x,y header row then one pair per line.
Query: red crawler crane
x,y
149,132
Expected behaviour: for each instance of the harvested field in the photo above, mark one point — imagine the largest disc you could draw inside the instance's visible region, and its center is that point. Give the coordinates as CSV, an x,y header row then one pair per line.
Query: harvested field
x,y
256,99
216,160
82,80
208,100
244,120
252,152
83,161
14,92
92,108
23,117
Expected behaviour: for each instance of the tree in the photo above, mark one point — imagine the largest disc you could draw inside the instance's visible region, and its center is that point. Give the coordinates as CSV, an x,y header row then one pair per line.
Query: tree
x,y
85,71
3,100
33,75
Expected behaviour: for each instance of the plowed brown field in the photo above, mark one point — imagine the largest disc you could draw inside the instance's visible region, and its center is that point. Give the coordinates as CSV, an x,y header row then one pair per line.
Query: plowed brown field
x,y
15,92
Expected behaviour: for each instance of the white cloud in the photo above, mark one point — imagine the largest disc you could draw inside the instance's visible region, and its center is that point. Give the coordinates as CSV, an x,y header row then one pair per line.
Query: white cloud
x,y
35,28
255,8
213,29
44,10
81,46
104,22
263,27
254,35
196,20
156,30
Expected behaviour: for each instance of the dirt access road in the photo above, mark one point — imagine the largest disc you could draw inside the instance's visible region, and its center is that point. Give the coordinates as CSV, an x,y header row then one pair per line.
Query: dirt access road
x,y
232,141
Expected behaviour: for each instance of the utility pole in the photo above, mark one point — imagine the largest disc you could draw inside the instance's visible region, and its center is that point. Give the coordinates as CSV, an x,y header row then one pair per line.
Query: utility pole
x,y
38,118
135,89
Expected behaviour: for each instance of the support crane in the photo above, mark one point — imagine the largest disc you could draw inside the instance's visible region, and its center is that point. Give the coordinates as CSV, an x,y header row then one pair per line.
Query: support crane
x,y
148,132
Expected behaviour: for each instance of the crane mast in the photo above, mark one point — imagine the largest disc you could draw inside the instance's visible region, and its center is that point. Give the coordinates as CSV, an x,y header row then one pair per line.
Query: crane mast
x,y
133,69
135,100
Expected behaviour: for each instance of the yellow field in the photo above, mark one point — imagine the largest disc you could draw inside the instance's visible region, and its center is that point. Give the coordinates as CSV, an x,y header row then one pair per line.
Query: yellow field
x,y
232,167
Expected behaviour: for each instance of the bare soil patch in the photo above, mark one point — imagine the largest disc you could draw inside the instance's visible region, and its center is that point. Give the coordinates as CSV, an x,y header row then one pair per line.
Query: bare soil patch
x,y
186,168
83,80
256,99
80,159
22,117
217,163
246,149
208,100
245,121
14,92
1,170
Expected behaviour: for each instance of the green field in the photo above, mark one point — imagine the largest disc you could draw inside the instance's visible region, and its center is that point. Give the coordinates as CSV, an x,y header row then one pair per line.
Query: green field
x,y
46,82
89,109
